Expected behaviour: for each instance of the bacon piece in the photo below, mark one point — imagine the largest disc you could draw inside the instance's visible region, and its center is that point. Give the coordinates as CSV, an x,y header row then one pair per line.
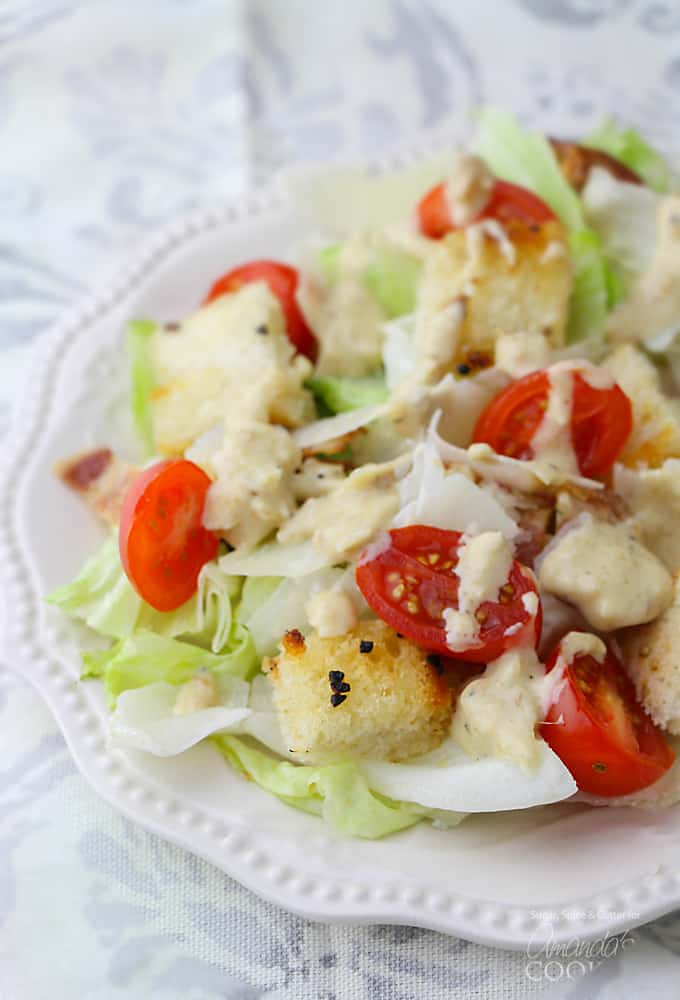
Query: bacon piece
x,y
577,161
101,478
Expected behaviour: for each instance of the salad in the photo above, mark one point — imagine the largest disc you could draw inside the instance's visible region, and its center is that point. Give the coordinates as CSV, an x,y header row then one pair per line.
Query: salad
x,y
402,536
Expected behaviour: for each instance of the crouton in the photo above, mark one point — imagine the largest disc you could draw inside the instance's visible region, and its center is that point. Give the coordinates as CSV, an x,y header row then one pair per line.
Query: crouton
x,y
230,360
368,693
101,478
656,428
504,279
651,655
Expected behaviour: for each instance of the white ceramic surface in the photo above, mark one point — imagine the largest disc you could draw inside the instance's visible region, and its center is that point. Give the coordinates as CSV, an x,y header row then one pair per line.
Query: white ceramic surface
x,y
504,880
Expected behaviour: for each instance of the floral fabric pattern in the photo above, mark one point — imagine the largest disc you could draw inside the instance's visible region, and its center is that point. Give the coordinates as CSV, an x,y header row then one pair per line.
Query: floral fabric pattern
x,y
116,118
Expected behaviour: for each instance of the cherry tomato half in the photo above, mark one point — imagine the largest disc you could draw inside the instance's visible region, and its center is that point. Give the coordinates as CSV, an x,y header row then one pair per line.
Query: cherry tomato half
x,y
600,731
507,203
163,543
283,282
601,421
411,582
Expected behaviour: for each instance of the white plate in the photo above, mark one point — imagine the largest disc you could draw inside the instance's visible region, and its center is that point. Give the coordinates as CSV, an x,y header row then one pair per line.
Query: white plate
x,y
501,880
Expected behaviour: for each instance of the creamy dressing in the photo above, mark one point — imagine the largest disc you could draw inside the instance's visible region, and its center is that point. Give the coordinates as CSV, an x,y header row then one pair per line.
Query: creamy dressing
x,y
199,692
496,714
468,189
517,354
484,563
554,251
606,573
576,644
439,345
331,612
340,523
551,443
253,488
490,227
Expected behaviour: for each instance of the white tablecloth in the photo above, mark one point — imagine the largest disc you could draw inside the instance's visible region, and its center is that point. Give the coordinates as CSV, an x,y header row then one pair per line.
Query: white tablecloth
x,y
115,117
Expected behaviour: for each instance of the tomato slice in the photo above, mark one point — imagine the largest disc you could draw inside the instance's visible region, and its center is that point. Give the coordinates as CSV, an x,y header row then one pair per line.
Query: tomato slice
x,y
600,731
163,543
507,203
601,421
283,282
410,583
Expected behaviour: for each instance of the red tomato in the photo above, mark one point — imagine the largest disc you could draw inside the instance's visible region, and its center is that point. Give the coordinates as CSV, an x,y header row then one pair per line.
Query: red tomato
x,y
599,730
163,543
507,203
283,282
601,421
410,583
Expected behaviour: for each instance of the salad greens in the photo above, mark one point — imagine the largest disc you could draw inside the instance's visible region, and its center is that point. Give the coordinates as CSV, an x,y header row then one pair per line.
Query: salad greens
x,y
338,393
103,597
337,791
628,146
235,618
527,159
146,657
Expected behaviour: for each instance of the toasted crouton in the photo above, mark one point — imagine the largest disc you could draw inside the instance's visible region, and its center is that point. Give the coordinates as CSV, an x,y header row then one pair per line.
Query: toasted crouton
x,y
656,428
506,280
101,478
369,693
651,654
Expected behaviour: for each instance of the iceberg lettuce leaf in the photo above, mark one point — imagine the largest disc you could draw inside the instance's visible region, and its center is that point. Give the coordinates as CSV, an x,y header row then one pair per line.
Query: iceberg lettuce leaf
x,y
337,791
628,146
590,294
145,658
341,393
527,159
392,279
103,597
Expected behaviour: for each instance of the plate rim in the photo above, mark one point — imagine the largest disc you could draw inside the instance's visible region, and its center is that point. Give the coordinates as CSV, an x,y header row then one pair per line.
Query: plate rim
x,y
111,774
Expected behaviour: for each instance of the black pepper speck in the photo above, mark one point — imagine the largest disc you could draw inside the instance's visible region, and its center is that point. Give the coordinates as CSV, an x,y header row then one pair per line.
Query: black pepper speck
x,y
463,369
335,676
342,688
436,661
262,329
365,646
337,699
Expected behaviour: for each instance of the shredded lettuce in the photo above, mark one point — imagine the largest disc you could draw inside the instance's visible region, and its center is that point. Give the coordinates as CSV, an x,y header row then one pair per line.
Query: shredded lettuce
x,y
391,276
146,657
256,591
527,159
392,279
590,290
337,791
142,379
338,394
103,597
628,146
145,718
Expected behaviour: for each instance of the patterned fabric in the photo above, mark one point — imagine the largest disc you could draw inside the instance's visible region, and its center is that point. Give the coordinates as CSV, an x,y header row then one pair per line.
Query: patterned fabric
x,y
114,118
